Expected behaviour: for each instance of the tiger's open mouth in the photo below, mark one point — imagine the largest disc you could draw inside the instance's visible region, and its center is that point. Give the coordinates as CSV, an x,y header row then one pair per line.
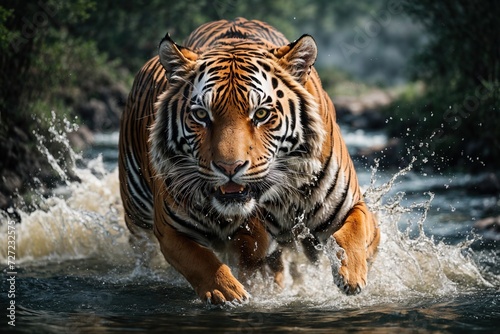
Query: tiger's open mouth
x,y
233,192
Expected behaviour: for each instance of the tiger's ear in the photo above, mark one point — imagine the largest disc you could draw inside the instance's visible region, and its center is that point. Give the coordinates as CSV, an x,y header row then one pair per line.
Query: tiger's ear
x,y
176,59
298,57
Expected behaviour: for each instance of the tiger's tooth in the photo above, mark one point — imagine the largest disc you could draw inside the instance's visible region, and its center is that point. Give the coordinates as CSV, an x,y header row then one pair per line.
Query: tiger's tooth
x,y
222,190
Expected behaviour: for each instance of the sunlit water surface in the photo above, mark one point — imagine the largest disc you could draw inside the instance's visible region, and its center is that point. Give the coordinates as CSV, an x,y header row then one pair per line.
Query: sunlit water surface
x,y
76,272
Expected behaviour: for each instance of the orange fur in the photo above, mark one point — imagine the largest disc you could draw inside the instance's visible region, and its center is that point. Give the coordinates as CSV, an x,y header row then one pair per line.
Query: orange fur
x,y
359,237
165,146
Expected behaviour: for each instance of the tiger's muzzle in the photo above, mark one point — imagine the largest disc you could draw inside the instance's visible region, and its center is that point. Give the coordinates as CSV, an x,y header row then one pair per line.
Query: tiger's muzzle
x,y
231,195
232,191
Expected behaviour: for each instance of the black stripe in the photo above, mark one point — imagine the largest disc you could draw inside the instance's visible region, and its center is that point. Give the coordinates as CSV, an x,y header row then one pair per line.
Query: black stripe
x,y
300,151
293,116
279,107
323,226
139,196
305,122
274,82
141,186
320,176
187,224
271,220
172,117
266,68
216,69
285,139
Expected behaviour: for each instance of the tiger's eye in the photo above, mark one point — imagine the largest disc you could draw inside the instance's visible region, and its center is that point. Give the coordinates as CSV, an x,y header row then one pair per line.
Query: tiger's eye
x,y
200,114
261,114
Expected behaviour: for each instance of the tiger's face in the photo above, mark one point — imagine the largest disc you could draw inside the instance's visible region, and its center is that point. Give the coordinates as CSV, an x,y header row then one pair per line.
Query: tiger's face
x,y
236,126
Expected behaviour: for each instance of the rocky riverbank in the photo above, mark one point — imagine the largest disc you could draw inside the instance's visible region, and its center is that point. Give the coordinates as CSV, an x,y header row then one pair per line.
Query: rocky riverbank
x,y
364,112
24,168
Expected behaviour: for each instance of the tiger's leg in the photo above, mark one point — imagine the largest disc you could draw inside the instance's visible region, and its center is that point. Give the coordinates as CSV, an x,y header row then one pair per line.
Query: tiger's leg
x,y
359,237
251,242
210,278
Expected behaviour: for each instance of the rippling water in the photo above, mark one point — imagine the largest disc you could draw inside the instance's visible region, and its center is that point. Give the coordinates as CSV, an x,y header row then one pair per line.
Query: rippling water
x,y
76,273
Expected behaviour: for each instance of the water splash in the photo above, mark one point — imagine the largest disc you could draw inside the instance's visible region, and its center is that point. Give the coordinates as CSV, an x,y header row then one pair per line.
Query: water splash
x,y
417,264
58,132
84,220
408,266
79,220
84,223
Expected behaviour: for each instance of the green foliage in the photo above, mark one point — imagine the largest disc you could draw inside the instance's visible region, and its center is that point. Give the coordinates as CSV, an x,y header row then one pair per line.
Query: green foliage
x,y
36,60
4,32
47,46
54,53
44,64
43,67
463,48
131,32
460,66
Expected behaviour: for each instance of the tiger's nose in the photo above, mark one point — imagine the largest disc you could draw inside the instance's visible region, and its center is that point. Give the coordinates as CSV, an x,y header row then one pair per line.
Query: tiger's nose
x,y
231,168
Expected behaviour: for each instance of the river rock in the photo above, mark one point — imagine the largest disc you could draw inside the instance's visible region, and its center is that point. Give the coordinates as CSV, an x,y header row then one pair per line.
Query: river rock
x,y
102,113
363,112
387,154
490,223
81,138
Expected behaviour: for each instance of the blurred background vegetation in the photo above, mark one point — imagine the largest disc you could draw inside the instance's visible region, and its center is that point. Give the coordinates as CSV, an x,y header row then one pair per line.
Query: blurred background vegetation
x,y
439,60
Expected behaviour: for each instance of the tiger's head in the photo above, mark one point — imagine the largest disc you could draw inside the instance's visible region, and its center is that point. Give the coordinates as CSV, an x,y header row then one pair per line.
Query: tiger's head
x,y
237,128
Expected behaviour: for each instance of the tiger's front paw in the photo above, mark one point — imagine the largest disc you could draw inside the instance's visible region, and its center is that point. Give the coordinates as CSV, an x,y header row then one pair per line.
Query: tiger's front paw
x,y
222,287
351,272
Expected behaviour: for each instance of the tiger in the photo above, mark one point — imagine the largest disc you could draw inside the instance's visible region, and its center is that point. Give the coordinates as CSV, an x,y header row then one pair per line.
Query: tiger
x,y
228,143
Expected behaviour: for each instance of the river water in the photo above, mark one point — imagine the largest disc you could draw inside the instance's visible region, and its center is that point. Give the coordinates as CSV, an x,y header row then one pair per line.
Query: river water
x,y
75,273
